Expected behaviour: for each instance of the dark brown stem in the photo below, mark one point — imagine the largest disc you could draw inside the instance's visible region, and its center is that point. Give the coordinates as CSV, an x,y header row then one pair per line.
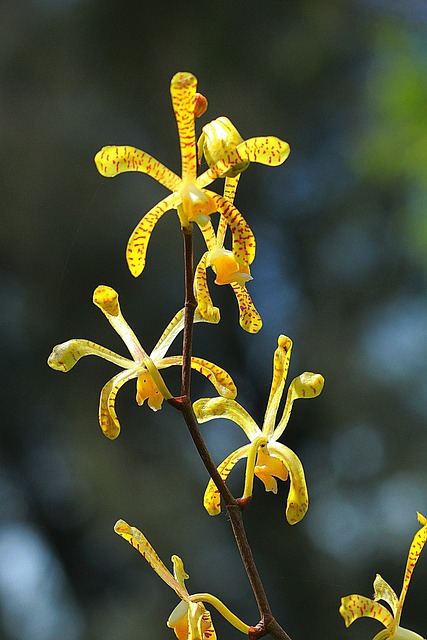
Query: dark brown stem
x,y
190,307
234,507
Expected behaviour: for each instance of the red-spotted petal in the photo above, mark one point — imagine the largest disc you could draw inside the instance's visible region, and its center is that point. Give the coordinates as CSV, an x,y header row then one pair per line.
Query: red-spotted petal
x,y
244,245
355,606
183,93
249,318
138,242
112,160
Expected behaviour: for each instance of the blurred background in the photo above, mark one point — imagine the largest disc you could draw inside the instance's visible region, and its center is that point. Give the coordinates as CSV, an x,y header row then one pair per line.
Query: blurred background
x,y
341,268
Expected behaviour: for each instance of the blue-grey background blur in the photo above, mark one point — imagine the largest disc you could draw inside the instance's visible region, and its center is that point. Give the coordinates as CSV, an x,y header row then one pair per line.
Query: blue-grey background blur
x,y
341,268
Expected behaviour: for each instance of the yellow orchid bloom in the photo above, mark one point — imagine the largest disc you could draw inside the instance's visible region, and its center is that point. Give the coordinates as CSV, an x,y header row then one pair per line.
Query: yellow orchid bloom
x,y
228,270
145,368
190,620
193,202
355,606
266,458
227,152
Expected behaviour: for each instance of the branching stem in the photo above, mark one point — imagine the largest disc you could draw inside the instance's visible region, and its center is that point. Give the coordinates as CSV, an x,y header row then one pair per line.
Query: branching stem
x,y
267,624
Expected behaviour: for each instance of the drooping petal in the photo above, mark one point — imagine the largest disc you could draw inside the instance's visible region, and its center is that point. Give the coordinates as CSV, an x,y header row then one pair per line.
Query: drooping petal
x,y
355,606
230,187
212,498
141,544
183,93
108,420
138,242
210,408
208,234
65,355
221,380
244,245
297,503
383,591
265,150
307,385
106,299
281,360
416,547
205,305
112,160
249,318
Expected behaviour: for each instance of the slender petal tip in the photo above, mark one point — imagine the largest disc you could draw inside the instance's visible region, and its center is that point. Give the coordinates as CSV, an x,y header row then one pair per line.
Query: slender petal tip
x,y
183,80
107,299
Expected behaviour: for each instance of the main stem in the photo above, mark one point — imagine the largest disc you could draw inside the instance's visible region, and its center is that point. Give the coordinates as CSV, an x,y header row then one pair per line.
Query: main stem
x,y
268,624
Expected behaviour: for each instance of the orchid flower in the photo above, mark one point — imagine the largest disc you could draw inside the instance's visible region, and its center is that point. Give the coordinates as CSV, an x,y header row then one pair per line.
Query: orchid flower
x,y
190,620
355,606
193,202
267,458
145,368
228,270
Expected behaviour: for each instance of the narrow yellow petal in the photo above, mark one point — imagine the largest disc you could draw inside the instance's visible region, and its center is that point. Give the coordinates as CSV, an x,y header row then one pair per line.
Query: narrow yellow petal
x,y
266,150
281,360
307,385
138,242
210,408
208,234
107,299
108,420
416,547
221,380
141,544
297,502
112,160
249,318
244,245
65,355
183,93
212,498
355,606
205,305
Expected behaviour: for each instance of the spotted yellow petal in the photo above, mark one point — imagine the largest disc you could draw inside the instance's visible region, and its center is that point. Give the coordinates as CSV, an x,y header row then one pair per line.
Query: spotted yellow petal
x,y
355,606
297,502
416,547
65,355
212,498
141,544
306,385
107,299
244,245
138,242
281,360
112,160
205,305
108,420
221,380
183,92
209,234
249,318
265,150
210,408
